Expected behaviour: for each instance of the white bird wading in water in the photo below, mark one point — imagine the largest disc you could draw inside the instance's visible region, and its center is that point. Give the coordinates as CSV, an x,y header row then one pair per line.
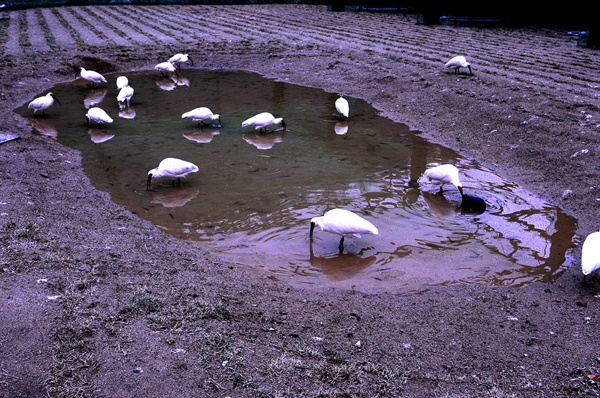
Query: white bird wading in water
x,y
342,106
171,167
97,115
198,115
43,103
459,62
125,95
446,174
178,59
262,120
343,222
92,76
165,68
590,255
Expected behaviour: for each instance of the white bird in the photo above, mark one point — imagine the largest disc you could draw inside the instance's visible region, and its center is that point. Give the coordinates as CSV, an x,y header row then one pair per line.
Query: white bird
x,y
343,222
446,174
262,120
458,62
43,103
178,59
590,254
92,76
342,106
171,167
125,95
165,68
122,81
97,115
199,115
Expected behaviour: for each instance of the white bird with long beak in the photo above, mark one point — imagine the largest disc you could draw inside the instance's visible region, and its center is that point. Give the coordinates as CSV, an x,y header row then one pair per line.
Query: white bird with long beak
x,y
43,103
342,106
98,116
178,59
446,174
92,76
199,115
171,167
343,222
590,254
262,120
122,81
165,68
125,95
458,62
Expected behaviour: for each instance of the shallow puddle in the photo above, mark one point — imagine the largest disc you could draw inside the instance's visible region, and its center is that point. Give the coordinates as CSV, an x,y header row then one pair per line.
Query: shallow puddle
x,y
254,195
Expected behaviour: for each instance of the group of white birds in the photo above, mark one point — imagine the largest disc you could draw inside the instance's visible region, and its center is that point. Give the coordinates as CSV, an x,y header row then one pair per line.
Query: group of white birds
x,y
338,221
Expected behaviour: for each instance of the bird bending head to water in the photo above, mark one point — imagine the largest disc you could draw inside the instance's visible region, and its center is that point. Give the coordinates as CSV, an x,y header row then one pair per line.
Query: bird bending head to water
x,y
342,106
262,120
43,103
171,167
165,68
590,254
343,222
125,95
459,62
97,115
199,115
446,174
91,76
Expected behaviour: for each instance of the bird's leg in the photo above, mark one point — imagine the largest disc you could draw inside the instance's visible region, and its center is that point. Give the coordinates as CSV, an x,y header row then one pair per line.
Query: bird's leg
x,y
341,247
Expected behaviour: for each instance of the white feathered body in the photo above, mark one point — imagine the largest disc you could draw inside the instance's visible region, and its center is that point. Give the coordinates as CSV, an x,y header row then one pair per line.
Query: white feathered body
x,y
344,222
174,168
92,76
201,114
125,95
122,81
590,253
445,174
165,67
42,103
98,115
262,120
342,106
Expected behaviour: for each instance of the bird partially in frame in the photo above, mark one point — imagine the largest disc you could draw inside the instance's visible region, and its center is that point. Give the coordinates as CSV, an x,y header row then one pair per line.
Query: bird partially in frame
x,y
590,255
98,116
343,108
343,222
178,59
173,168
199,115
43,103
92,76
262,120
446,174
459,62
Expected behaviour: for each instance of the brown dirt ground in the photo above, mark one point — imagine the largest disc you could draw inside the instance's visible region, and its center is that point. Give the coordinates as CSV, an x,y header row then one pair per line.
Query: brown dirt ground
x,y
143,314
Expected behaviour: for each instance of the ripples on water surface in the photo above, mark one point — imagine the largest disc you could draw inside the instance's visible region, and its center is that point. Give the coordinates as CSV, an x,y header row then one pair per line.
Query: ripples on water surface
x,y
254,195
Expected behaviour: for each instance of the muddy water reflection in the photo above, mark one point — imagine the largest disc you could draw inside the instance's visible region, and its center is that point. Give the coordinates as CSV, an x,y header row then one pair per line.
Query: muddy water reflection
x,y
254,195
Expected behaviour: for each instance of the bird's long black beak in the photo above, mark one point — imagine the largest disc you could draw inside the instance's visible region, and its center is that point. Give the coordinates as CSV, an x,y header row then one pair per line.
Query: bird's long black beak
x,y
149,183
470,71
190,58
312,227
283,124
56,99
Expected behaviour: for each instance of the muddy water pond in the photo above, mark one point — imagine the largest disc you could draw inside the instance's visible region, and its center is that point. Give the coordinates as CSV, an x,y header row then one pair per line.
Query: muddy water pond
x,y
254,195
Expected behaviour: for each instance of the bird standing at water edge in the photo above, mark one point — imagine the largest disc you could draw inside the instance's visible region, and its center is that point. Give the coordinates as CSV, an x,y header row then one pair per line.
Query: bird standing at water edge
x,y
590,255
43,103
446,174
178,59
343,222
458,62
92,76
262,120
97,115
342,106
199,115
171,167
125,95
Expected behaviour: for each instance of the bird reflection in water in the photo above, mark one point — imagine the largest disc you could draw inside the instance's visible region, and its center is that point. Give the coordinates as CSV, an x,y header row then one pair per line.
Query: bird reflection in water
x,y
181,80
94,97
99,135
341,128
174,197
264,141
166,84
201,136
126,112
341,266
44,127
440,206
